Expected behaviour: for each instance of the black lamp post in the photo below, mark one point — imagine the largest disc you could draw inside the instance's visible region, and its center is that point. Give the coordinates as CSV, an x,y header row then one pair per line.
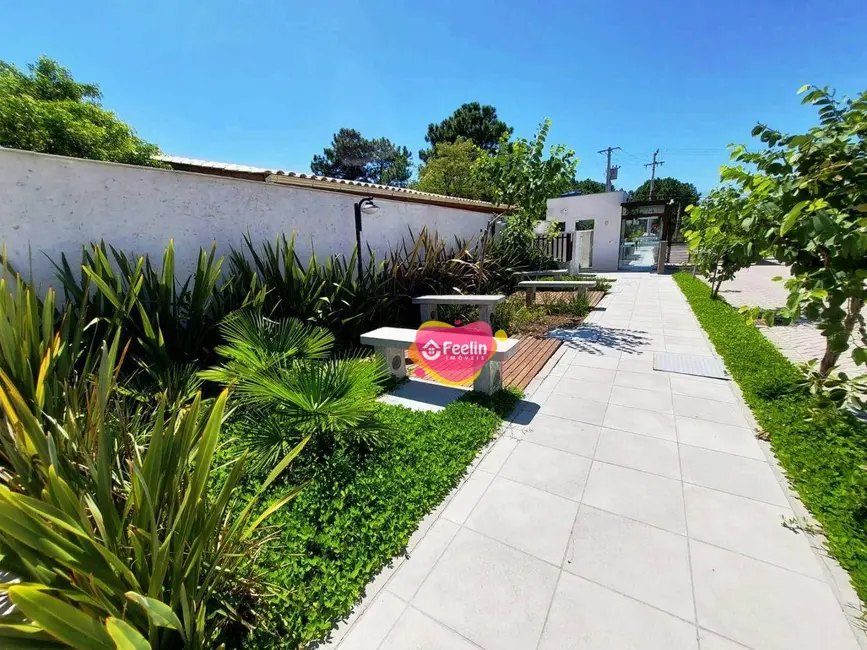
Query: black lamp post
x,y
364,206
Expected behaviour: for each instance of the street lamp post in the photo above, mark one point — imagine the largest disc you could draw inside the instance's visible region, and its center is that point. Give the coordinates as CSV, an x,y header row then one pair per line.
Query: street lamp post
x,y
364,206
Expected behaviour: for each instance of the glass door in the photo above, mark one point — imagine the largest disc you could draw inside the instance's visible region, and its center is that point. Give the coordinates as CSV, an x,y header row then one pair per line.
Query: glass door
x,y
639,243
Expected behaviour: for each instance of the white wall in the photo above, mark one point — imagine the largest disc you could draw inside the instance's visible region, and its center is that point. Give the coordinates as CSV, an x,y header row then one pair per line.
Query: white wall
x,y
605,210
55,204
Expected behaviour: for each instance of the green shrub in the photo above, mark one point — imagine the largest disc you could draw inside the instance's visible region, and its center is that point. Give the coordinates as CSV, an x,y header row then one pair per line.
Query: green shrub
x,y
822,450
359,511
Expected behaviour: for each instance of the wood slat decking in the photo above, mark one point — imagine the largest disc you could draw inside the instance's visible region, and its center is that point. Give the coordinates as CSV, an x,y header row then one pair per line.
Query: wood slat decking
x,y
532,355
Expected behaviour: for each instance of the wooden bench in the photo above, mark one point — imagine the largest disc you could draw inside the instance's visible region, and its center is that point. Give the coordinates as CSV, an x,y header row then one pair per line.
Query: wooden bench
x,y
485,304
540,274
530,287
392,342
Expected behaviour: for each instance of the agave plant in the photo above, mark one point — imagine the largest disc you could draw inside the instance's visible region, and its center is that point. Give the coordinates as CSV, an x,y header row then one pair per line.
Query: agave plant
x,y
292,389
119,543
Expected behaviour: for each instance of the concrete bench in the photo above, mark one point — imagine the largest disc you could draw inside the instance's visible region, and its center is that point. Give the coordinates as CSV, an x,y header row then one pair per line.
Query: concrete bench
x,y
540,274
392,342
485,304
530,287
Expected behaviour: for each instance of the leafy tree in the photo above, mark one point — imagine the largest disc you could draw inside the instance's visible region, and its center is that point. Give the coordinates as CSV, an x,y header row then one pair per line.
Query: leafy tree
x,y
523,178
451,171
718,242
818,183
667,188
354,157
588,186
474,122
46,110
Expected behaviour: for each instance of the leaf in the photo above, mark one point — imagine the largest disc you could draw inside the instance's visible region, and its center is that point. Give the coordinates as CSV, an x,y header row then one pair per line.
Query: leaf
x,y
158,612
125,636
60,619
792,217
859,356
804,89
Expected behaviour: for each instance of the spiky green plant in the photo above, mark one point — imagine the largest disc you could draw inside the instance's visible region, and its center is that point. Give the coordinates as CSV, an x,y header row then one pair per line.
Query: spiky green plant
x,y
122,541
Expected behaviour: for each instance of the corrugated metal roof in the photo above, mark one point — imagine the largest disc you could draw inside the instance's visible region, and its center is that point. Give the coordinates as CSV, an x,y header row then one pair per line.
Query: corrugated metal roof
x,y
206,165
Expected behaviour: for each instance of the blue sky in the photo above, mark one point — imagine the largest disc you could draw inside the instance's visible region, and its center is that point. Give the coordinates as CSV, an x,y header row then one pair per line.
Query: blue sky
x,y
269,83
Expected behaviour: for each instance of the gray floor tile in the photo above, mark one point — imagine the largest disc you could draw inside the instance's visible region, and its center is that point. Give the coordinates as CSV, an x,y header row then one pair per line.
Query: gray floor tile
x,y
489,593
745,477
642,365
496,457
415,631
634,450
638,560
587,616
694,350
657,381
594,361
719,437
525,518
552,470
689,333
375,623
588,373
708,409
645,497
647,423
720,390
409,576
574,408
763,606
749,527
649,400
566,435
585,389
710,641
468,495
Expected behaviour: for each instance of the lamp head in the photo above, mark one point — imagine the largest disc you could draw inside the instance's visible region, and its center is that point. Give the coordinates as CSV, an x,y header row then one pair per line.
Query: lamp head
x,y
367,206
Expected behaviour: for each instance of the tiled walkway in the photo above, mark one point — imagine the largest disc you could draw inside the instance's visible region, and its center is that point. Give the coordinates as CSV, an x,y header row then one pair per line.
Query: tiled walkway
x,y
621,508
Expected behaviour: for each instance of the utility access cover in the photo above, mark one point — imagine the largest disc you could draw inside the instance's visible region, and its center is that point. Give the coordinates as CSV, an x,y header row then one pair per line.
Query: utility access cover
x,y
688,364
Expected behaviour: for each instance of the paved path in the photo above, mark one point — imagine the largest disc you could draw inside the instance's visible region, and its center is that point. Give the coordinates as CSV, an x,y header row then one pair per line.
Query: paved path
x,y
801,341
622,508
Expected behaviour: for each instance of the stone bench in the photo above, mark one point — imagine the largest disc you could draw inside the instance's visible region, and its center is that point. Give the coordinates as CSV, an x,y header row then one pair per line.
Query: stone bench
x,y
392,342
530,287
540,274
485,304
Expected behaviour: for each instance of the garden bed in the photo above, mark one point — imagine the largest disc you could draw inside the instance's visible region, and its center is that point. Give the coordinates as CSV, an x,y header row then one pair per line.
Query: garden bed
x,y
822,450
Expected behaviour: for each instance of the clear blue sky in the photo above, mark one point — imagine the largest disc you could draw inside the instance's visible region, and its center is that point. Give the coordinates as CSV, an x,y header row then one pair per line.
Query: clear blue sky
x,y
269,83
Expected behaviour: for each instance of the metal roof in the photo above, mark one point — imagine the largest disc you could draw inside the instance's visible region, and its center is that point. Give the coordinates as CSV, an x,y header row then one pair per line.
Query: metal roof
x,y
322,182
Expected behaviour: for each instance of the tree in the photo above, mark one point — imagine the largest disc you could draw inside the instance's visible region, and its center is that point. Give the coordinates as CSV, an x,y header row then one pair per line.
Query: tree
x,y
452,171
817,181
667,188
46,110
354,157
524,179
588,186
718,242
474,122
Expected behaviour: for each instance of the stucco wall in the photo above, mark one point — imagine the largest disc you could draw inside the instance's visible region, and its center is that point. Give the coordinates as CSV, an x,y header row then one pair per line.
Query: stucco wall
x,y
55,204
605,210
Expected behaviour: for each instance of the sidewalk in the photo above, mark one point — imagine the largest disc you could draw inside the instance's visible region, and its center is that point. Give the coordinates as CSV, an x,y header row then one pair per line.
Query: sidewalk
x,y
621,508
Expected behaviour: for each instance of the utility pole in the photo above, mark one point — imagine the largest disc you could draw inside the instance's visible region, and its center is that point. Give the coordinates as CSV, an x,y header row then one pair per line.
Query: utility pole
x,y
608,176
652,166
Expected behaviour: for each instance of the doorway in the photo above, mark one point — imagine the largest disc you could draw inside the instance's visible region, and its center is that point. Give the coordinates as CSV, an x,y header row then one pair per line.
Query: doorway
x,y
639,242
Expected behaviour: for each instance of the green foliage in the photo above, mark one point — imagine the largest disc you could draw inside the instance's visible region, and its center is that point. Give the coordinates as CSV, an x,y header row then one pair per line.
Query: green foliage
x,y
118,538
817,182
359,511
823,450
292,389
471,122
667,188
451,171
356,158
719,244
47,111
588,186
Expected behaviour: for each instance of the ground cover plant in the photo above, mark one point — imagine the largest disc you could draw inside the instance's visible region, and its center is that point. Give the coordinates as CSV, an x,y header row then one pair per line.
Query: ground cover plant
x,y
823,450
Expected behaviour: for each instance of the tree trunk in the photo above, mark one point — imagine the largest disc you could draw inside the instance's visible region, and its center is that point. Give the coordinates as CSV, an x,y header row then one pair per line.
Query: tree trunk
x,y
829,360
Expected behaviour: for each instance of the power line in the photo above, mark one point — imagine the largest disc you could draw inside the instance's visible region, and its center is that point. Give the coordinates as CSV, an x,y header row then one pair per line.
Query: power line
x,y
653,165
608,170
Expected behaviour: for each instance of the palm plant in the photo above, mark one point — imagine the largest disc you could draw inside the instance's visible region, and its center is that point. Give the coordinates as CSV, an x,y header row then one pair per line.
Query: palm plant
x,y
122,543
292,389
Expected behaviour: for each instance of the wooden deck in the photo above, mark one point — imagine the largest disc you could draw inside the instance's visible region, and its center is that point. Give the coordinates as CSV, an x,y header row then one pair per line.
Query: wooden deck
x,y
532,355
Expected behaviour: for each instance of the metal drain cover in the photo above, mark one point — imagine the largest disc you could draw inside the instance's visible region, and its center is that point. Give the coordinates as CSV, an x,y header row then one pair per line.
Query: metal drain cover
x,y
688,364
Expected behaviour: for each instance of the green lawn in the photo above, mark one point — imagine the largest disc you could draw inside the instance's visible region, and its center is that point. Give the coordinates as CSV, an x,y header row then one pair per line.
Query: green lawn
x,y
359,512
824,452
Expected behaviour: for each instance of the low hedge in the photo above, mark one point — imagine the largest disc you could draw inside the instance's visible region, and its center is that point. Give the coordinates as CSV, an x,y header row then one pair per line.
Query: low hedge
x,y
359,512
823,451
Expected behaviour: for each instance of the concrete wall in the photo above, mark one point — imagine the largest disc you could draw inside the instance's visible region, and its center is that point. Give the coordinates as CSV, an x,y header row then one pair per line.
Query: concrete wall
x,y
55,204
605,210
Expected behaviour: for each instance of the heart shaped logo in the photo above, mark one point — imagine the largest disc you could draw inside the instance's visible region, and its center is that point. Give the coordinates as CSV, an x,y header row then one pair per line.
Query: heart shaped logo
x,y
452,355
